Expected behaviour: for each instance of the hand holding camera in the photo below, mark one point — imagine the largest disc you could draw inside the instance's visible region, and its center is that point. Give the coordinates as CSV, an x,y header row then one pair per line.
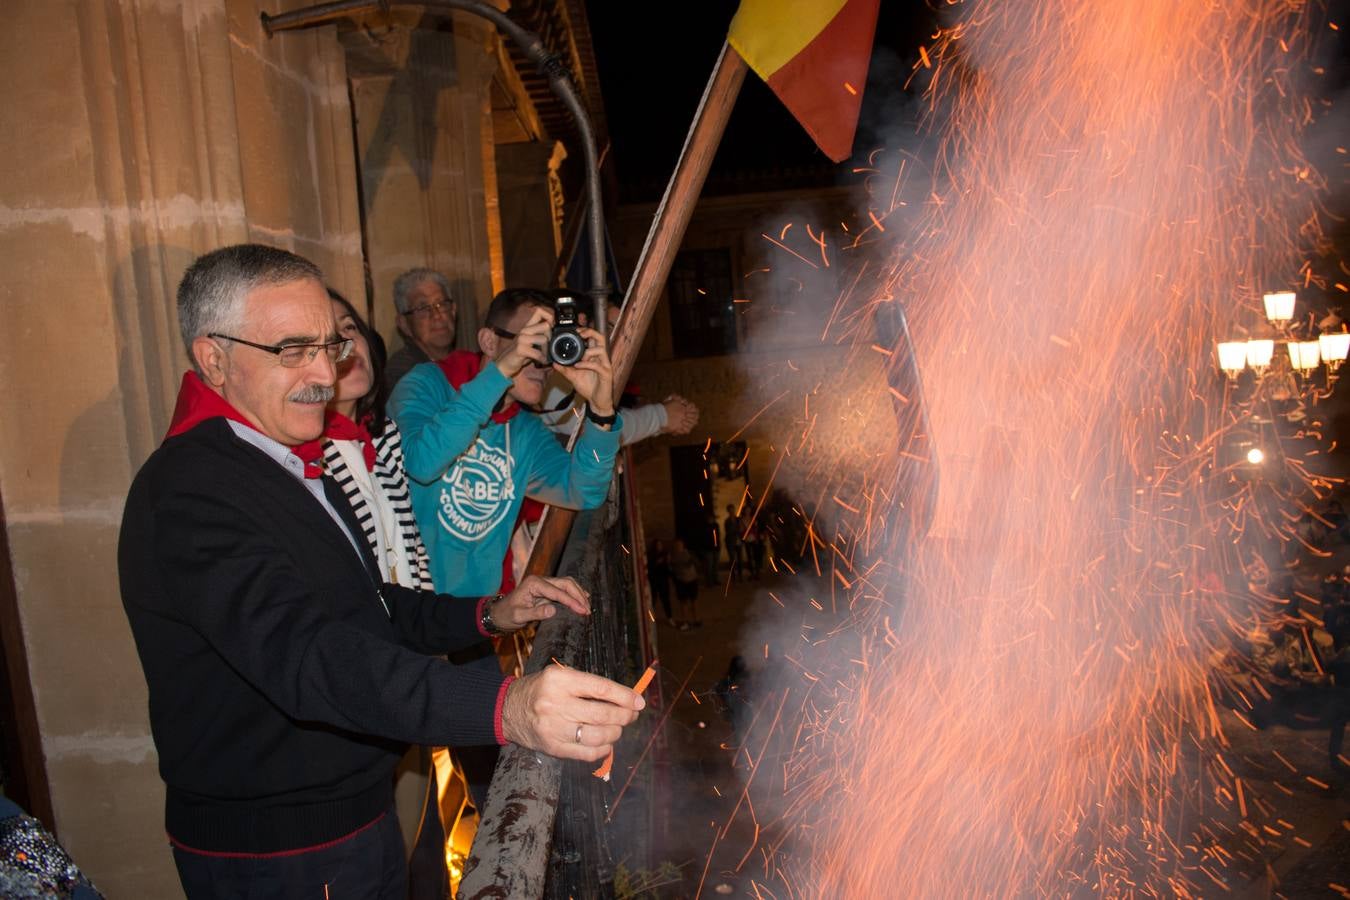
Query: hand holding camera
x,y
581,356
592,376
528,346
554,337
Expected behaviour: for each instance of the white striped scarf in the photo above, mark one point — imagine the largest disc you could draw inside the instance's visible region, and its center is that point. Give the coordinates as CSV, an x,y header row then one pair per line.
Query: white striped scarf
x,y
388,474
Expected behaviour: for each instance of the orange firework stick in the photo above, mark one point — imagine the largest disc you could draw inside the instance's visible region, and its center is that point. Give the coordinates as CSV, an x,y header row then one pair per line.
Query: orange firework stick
x,y
646,679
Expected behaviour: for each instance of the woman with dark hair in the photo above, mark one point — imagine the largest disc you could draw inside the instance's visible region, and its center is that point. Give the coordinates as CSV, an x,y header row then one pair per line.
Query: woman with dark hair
x,y
363,454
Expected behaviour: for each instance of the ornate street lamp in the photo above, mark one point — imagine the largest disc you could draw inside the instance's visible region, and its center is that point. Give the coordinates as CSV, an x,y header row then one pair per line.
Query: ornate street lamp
x,y
1280,308
1233,358
1258,354
1304,356
1334,349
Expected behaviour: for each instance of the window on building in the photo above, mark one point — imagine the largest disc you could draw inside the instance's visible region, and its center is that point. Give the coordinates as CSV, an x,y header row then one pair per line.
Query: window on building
x,y
702,317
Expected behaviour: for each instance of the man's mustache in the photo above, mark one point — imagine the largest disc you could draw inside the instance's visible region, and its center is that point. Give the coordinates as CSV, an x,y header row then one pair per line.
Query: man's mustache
x,y
315,393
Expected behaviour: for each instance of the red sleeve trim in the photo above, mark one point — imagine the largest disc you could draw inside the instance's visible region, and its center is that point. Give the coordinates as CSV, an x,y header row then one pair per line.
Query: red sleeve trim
x,y
478,616
497,711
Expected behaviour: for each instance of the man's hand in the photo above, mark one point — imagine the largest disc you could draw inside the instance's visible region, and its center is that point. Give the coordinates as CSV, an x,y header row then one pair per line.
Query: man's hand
x,y
567,713
528,345
593,375
681,415
533,599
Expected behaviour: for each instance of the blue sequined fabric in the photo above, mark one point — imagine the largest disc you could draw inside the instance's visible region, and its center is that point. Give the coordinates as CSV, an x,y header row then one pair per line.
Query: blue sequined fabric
x,y
32,864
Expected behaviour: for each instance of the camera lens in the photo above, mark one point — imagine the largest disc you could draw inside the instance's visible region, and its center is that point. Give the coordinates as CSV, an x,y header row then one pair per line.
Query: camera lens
x,y
565,348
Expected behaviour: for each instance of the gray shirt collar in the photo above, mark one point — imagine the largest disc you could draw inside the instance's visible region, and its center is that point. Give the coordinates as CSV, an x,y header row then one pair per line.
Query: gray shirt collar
x,y
275,450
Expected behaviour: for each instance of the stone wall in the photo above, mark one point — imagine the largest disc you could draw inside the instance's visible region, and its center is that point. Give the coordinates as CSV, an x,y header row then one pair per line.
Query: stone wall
x,y
531,213
137,135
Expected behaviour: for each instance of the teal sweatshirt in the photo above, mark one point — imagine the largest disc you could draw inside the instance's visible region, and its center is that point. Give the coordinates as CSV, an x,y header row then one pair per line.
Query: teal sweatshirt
x,y
469,474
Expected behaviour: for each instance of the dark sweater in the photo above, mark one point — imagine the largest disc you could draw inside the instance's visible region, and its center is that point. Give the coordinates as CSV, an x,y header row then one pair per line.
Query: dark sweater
x,y
282,694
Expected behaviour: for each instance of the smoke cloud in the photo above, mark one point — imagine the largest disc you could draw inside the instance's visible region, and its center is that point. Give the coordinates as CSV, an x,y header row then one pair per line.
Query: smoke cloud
x,y
1020,702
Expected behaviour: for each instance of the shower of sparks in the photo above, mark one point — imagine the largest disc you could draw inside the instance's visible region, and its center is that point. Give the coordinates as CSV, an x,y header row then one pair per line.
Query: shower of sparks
x,y
1031,701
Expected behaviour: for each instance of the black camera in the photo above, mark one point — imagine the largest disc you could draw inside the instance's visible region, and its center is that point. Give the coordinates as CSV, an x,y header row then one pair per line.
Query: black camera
x,y
565,346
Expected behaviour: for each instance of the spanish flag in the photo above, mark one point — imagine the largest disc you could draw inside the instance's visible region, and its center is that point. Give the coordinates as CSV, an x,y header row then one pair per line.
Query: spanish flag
x,y
814,55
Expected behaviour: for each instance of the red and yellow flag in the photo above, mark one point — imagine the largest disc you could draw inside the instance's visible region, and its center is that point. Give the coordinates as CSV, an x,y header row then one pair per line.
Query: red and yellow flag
x,y
814,55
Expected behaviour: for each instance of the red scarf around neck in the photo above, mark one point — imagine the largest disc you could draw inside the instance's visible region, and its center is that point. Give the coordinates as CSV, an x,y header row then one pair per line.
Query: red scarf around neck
x,y
461,367
198,403
337,427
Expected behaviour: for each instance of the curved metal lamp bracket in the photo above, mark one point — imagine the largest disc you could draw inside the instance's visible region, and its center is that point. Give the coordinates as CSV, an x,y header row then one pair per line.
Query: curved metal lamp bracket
x,y
550,65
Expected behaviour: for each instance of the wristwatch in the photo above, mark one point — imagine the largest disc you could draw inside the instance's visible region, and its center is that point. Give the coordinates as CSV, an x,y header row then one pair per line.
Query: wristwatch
x,y
599,419
485,622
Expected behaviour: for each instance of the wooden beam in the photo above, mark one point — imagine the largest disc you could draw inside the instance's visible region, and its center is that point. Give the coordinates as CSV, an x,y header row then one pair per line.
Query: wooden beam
x,y
510,852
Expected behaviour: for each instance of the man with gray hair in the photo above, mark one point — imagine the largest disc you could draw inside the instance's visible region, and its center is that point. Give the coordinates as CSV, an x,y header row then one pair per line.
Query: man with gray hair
x,y
285,677
426,321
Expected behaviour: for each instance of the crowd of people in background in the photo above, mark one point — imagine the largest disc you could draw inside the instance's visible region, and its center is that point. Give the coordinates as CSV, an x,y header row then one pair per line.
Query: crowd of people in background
x,y
742,537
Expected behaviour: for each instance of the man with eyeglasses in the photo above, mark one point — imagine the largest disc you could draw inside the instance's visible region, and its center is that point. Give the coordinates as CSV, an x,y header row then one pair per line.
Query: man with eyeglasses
x,y
285,677
426,322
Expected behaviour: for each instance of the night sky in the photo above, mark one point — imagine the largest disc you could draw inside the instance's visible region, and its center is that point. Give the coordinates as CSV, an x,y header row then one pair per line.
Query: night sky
x,y
653,72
